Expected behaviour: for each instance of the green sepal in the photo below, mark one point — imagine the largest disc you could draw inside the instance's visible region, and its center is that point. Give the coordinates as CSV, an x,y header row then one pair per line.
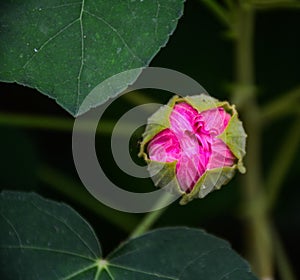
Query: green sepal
x,y
159,121
163,174
203,102
211,180
234,137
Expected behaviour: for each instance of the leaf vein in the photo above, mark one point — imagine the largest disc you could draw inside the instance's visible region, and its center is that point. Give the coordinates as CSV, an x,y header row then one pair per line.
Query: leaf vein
x,y
129,252
109,274
142,272
63,5
13,227
47,250
78,272
118,34
200,256
230,272
156,16
82,55
48,41
68,226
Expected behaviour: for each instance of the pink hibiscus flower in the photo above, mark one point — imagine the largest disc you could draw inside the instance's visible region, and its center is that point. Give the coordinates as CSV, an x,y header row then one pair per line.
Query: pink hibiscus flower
x,y
192,141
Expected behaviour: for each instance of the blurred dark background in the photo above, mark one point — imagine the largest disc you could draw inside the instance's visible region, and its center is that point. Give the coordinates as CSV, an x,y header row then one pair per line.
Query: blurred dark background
x,y
40,160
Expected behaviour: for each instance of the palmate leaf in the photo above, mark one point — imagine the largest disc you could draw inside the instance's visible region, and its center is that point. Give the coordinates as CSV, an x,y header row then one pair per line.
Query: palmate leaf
x,y
42,239
65,48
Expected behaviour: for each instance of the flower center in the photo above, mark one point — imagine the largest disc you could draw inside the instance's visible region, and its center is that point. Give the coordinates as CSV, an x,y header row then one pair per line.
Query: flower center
x,y
204,138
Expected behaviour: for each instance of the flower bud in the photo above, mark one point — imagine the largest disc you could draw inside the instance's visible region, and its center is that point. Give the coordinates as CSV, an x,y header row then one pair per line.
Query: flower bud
x,y
194,145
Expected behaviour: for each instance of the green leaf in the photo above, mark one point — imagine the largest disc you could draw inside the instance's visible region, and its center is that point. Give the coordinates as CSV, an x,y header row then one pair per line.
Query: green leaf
x,y
42,239
65,48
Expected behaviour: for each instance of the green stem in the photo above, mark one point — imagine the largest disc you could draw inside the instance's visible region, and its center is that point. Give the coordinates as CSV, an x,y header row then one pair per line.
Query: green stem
x,y
230,4
147,223
138,98
282,162
284,268
56,124
150,218
39,122
71,189
258,229
275,4
218,11
287,103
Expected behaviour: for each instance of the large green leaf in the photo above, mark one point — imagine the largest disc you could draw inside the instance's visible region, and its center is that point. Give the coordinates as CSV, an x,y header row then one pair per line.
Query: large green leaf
x,y
42,239
64,48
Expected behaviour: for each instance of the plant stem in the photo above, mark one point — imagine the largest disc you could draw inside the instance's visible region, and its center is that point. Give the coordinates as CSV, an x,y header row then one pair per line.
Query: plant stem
x,y
281,164
284,268
258,229
138,98
275,4
229,4
39,122
287,103
147,222
150,218
55,123
218,11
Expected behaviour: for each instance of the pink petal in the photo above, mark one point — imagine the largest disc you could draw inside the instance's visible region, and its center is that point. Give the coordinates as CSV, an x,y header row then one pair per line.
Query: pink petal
x,y
191,163
164,147
215,120
204,141
221,155
182,117
191,141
